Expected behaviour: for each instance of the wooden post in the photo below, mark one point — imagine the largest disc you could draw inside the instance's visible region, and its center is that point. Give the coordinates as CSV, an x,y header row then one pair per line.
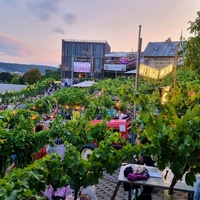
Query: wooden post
x,y
138,67
136,84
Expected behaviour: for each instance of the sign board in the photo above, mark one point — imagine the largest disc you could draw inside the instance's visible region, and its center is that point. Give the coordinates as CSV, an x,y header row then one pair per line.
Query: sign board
x,y
165,71
115,67
148,71
154,73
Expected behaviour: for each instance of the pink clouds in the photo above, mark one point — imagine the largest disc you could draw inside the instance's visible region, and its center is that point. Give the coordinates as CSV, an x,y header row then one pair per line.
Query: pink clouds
x,y
12,47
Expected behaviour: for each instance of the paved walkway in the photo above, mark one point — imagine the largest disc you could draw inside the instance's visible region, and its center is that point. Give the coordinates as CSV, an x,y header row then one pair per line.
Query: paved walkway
x,y
107,185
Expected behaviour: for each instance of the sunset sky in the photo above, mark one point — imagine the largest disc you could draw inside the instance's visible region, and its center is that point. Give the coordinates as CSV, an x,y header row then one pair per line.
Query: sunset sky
x,y
31,31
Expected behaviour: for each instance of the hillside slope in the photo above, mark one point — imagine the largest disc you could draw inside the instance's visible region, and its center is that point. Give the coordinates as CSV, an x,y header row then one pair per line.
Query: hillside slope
x,y
14,67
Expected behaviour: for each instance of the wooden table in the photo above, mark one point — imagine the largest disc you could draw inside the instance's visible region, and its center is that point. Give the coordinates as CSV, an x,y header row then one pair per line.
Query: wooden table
x,y
153,181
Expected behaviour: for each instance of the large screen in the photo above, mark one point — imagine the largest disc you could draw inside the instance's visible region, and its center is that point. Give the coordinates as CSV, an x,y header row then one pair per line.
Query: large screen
x,y
82,67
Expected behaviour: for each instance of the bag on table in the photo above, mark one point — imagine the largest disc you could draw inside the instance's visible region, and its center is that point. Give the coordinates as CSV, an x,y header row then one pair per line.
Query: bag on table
x,y
127,171
140,173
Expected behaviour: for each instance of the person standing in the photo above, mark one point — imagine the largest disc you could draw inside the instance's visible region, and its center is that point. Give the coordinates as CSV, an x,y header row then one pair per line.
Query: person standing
x,y
76,114
42,152
59,148
64,192
13,163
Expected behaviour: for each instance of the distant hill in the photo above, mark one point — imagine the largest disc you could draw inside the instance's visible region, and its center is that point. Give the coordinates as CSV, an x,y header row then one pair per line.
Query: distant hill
x,y
22,68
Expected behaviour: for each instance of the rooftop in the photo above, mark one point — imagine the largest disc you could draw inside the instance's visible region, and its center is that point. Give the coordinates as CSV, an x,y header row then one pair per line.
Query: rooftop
x,y
89,41
161,49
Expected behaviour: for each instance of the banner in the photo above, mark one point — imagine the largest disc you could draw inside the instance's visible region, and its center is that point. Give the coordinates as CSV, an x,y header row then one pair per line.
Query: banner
x,y
117,67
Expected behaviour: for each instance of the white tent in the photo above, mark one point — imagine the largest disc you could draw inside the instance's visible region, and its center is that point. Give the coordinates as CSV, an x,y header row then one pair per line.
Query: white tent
x,y
11,87
84,84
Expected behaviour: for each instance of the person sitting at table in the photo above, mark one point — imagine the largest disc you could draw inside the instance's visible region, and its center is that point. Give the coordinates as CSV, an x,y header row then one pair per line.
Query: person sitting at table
x,y
144,159
147,160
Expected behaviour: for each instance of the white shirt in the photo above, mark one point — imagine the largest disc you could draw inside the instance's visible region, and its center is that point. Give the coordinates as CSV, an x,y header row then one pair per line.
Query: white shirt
x,y
122,115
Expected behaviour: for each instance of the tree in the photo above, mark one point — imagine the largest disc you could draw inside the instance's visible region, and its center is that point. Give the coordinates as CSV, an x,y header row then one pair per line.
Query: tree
x,y
172,129
32,76
21,80
15,80
192,48
195,26
5,77
53,74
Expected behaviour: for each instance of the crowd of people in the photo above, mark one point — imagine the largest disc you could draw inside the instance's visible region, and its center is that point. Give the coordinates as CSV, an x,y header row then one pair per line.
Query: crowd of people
x,y
65,192
67,82
88,193
49,91
59,148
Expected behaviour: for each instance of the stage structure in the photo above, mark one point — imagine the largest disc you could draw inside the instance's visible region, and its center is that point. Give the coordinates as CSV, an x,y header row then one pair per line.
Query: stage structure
x,y
83,58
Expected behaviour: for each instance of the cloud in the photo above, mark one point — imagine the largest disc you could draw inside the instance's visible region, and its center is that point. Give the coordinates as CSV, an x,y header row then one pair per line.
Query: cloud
x,y
43,9
12,47
12,2
69,18
58,30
